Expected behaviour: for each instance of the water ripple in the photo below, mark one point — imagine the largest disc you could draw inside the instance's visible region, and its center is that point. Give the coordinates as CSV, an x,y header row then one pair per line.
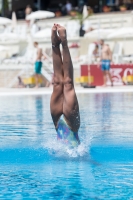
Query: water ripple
x,y
33,165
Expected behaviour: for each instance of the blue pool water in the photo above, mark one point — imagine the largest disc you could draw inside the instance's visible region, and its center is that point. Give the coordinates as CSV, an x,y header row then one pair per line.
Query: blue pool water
x,y
34,166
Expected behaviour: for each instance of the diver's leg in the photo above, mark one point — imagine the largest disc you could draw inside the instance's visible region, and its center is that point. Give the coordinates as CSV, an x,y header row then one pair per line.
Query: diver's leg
x,y
56,104
70,103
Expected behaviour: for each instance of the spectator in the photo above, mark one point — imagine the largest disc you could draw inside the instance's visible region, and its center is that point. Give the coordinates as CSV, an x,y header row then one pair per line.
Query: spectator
x,y
106,58
110,2
81,3
38,65
63,9
28,11
68,7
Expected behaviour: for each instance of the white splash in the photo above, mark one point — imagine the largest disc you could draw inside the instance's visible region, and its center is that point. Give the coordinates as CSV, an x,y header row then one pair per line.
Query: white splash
x,y
61,150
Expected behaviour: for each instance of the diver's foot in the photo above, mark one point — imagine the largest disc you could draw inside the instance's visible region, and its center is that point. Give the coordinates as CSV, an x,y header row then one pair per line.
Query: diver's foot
x,y
62,33
54,37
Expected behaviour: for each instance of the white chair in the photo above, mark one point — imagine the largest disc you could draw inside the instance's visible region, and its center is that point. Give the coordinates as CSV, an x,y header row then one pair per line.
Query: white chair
x,y
26,58
72,28
43,34
21,31
87,25
127,59
8,29
88,59
117,53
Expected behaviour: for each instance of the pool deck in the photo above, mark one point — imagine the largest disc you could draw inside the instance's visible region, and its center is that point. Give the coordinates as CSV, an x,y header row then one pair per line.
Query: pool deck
x,y
79,90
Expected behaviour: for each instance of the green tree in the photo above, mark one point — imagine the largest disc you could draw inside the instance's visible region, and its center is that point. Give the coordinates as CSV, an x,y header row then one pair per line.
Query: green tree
x,y
6,6
80,17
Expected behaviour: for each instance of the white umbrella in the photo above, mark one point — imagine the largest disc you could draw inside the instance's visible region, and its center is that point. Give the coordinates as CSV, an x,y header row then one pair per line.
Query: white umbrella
x,y
45,33
122,32
14,20
3,48
99,33
40,15
85,12
4,21
9,36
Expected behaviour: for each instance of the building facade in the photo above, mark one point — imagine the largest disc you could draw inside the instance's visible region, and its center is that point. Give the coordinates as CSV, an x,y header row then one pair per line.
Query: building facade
x,y
53,5
7,6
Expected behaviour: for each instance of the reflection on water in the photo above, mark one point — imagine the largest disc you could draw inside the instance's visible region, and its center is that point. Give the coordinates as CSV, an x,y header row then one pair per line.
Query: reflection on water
x,y
33,165
39,115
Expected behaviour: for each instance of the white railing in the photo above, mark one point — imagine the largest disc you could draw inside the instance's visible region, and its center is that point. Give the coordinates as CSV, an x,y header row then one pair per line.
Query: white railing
x,y
47,72
25,70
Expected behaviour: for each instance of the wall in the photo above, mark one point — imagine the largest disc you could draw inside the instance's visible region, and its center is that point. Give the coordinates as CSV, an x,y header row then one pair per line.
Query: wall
x,y
21,4
93,3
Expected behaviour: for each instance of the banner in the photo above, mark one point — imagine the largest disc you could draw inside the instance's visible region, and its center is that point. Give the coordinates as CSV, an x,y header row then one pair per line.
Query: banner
x,y
118,72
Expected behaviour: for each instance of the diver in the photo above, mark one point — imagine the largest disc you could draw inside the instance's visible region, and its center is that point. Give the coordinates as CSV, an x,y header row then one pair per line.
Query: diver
x,y
64,104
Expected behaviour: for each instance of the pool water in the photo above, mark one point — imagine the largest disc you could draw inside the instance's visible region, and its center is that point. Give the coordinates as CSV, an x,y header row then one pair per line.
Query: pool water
x,y
33,165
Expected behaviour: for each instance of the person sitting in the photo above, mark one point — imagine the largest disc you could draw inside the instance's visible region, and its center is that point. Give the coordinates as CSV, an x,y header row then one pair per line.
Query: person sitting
x,y
68,7
28,11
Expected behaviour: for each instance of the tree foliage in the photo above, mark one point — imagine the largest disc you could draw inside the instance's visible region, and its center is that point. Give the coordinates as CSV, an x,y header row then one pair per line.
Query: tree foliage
x,y
79,16
5,4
